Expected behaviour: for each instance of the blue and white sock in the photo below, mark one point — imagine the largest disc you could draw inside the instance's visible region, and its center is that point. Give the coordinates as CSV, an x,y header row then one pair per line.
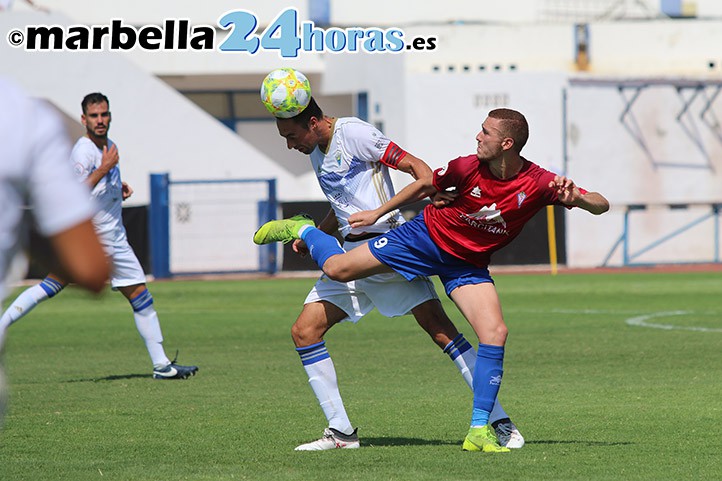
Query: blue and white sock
x,y
487,381
28,299
320,245
464,356
146,320
322,378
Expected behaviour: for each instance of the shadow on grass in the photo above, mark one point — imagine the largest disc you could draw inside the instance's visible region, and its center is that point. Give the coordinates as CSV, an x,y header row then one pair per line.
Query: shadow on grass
x,y
586,443
371,442
111,378
385,442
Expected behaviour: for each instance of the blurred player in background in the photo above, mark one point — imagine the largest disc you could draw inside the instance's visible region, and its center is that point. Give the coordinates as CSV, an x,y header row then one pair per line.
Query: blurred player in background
x,y
495,192
351,159
34,172
95,161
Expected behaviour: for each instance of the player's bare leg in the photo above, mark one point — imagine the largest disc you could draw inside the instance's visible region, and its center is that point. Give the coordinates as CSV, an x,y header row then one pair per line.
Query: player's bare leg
x,y
354,264
433,319
479,303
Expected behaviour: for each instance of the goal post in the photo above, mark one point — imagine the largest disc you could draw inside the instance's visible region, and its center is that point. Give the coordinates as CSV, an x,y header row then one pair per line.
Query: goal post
x,y
207,226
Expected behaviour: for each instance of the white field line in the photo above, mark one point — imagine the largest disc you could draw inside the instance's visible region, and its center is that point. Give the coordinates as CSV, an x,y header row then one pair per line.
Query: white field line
x,y
639,320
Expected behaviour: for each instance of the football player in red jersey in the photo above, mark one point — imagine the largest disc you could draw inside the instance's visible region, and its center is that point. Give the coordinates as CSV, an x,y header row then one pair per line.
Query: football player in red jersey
x,y
488,197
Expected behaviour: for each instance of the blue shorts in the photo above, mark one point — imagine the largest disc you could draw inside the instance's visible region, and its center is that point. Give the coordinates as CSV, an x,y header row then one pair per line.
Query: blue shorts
x,y
409,250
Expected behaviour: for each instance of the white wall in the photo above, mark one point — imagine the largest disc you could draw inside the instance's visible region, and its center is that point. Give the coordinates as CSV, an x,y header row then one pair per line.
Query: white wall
x,y
679,168
708,8
524,47
656,48
142,12
639,48
676,168
444,113
405,12
382,77
368,13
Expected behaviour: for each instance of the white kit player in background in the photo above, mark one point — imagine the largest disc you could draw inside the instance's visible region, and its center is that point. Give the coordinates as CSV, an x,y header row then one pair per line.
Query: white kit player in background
x,y
34,173
351,159
95,161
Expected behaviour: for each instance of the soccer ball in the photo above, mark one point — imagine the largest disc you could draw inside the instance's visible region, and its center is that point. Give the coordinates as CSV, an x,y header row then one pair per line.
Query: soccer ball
x,y
285,92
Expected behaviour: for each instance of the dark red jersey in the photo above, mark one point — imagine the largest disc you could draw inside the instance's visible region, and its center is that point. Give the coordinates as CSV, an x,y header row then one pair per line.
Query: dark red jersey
x,y
489,212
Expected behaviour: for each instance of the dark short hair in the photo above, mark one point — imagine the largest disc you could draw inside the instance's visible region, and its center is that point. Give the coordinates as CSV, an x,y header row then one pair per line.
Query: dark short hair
x,y
311,110
94,98
514,125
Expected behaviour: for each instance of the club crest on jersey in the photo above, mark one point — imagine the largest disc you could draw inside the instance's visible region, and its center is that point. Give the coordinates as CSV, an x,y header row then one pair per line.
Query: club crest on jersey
x,y
379,141
520,197
337,156
476,192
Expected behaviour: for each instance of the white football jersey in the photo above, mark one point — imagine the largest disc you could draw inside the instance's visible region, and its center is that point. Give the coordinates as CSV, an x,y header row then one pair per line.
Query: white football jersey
x,y
352,176
108,192
34,172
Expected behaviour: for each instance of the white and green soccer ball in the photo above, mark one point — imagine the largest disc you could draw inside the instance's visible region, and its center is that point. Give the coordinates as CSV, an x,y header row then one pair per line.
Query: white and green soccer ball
x,y
285,92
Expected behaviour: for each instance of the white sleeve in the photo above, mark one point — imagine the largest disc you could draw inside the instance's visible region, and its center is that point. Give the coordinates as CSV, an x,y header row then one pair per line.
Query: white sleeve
x,y
59,202
366,141
82,160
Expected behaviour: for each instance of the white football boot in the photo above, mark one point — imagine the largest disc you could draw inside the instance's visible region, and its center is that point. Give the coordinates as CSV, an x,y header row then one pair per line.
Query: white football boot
x,y
508,434
332,439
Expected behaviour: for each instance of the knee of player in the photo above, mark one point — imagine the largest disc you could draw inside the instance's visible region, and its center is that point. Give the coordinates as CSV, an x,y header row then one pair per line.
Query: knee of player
x,y
303,336
297,335
501,332
336,272
338,268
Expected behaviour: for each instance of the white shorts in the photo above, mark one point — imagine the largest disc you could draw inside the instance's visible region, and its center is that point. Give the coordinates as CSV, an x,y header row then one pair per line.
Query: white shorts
x,y
127,270
390,293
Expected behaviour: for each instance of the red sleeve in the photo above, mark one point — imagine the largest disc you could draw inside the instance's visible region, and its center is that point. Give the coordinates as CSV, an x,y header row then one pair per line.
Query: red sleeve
x,y
438,179
448,175
544,180
393,155
556,198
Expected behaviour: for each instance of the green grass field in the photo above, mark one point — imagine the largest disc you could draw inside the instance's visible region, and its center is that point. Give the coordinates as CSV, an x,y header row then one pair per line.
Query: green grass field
x,y
595,397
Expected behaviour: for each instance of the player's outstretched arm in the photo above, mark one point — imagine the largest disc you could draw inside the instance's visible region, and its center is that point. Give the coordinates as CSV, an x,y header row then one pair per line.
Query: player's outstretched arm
x,y
421,188
569,194
593,202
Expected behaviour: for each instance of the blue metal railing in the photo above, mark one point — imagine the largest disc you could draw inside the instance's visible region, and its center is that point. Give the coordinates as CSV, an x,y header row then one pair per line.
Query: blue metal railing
x,y
628,257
